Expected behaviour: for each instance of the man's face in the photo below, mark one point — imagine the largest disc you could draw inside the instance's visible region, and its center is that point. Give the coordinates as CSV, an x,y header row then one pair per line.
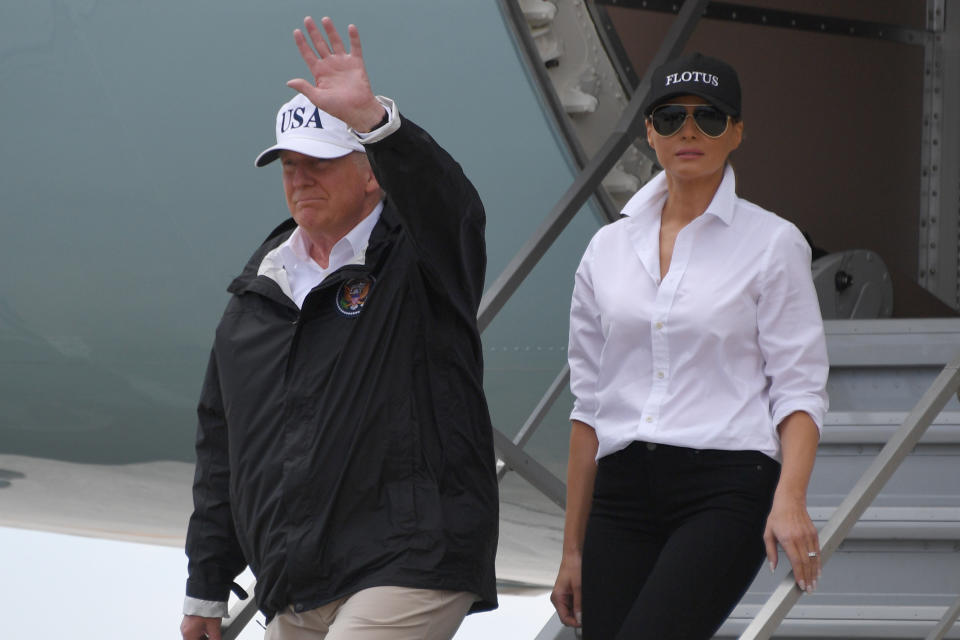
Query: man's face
x,y
327,197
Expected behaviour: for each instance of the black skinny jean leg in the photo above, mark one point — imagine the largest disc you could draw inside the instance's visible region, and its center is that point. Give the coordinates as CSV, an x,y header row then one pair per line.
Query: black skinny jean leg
x,y
673,542
619,551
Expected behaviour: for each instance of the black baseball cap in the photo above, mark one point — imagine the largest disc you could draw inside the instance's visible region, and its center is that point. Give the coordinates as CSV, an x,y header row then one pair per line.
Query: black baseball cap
x,y
698,75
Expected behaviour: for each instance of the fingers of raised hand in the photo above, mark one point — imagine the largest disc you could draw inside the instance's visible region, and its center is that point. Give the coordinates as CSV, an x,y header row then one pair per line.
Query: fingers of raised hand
x,y
316,37
336,43
306,51
355,48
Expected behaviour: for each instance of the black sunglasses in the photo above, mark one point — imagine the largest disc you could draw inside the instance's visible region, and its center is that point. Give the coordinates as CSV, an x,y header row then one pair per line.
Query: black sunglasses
x,y
668,119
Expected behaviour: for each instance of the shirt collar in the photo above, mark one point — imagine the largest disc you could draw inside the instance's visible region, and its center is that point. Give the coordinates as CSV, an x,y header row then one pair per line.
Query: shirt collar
x,y
725,199
297,246
645,207
655,192
359,236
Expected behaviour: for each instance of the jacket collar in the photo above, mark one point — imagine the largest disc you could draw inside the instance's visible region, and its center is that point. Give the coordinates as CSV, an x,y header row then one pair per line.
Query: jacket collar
x,y
250,279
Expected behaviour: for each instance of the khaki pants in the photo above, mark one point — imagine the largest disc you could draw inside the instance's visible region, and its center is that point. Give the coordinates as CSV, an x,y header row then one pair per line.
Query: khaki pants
x,y
378,613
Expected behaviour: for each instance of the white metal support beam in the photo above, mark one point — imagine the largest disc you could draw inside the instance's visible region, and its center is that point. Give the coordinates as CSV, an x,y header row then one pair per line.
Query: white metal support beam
x,y
949,617
539,413
627,128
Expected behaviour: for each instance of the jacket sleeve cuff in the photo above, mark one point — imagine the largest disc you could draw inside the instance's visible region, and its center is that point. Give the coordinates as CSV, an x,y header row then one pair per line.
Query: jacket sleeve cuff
x,y
205,608
381,132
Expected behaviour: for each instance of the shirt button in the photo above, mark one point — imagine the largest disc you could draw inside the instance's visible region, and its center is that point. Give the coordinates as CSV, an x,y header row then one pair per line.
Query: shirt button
x,y
660,374
649,419
659,325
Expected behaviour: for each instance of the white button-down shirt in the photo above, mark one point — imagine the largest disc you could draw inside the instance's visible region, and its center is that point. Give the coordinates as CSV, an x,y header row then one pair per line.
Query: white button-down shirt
x,y
717,354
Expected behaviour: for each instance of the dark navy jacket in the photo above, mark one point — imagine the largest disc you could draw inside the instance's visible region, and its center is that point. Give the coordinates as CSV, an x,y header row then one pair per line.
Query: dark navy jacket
x,y
348,444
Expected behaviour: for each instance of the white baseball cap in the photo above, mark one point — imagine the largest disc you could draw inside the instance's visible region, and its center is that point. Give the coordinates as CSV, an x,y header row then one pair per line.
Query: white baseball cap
x,y
304,128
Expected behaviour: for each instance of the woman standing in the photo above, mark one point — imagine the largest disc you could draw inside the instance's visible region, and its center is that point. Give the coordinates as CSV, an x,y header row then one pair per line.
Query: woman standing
x,y
698,366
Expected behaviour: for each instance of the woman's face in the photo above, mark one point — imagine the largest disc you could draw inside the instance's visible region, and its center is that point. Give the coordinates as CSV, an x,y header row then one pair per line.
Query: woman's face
x,y
689,154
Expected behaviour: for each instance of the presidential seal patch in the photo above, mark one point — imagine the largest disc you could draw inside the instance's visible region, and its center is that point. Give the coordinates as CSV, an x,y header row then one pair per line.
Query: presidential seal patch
x,y
353,295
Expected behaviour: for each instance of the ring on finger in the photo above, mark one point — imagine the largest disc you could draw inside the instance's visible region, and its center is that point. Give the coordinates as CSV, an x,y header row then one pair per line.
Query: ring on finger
x,y
811,554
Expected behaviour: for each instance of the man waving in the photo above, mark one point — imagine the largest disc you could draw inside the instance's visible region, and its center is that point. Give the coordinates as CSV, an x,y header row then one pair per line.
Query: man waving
x,y
344,447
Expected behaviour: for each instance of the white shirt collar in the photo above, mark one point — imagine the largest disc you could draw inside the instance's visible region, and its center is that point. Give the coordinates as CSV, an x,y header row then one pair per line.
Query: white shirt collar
x,y
350,248
722,205
292,268
645,207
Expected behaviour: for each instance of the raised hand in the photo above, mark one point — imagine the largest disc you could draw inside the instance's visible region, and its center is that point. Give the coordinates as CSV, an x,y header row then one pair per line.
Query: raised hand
x,y
340,84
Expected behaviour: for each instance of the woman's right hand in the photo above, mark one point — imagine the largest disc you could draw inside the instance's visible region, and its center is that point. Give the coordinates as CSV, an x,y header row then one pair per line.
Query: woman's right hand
x,y
566,590
581,472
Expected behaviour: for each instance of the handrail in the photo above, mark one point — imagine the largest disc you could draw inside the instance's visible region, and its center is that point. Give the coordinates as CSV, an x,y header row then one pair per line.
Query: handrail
x,y
949,616
861,496
239,616
539,412
530,469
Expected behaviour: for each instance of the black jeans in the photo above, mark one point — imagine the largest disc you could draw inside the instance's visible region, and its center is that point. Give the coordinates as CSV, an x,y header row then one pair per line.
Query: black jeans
x,y
674,538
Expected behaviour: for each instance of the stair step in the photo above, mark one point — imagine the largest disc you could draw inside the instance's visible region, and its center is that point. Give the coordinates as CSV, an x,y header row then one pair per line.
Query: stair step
x,y
876,427
899,523
845,621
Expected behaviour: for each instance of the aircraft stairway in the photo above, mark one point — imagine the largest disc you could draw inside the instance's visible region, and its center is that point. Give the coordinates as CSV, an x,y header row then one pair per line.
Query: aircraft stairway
x,y
899,568
896,574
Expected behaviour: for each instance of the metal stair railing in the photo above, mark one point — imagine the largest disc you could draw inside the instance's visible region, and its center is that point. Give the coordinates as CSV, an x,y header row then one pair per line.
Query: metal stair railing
x,y
940,631
239,615
787,593
539,413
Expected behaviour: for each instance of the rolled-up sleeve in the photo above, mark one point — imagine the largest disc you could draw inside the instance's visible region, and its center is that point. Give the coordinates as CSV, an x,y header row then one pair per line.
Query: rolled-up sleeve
x,y
790,329
585,344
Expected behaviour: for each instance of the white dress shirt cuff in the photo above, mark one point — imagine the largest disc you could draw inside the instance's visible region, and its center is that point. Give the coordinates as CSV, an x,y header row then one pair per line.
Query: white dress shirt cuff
x,y
205,608
393,123
588,418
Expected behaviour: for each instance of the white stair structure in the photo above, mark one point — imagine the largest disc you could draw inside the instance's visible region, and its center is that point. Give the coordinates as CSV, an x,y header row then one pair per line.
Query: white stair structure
x,y
890,535
896,572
